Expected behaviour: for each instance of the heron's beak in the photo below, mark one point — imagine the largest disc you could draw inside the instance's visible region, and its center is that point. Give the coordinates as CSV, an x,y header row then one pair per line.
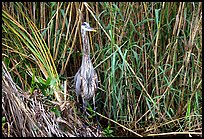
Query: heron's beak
x,y
92,29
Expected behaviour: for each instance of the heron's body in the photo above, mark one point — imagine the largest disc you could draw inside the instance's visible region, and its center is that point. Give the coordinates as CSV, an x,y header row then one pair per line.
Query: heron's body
x,y
86,80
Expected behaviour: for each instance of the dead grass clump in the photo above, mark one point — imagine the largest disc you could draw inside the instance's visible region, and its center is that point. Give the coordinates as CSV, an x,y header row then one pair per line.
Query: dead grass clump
x,y
31,116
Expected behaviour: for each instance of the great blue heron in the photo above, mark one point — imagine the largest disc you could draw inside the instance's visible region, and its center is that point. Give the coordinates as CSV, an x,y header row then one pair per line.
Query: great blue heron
x,y
86,80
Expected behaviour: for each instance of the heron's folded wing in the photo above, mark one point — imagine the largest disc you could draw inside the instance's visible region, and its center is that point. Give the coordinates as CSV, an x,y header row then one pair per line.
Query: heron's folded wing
x,y
77,81
95,79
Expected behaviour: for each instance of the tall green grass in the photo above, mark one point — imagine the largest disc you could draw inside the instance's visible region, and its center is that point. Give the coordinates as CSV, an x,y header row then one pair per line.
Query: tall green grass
x,y
147,56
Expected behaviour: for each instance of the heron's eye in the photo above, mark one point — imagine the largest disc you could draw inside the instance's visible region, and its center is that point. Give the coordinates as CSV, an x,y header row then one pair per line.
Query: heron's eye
x,y
85,24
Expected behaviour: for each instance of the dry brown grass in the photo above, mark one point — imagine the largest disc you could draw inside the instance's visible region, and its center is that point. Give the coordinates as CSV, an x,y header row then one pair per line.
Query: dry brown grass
x,y
31,116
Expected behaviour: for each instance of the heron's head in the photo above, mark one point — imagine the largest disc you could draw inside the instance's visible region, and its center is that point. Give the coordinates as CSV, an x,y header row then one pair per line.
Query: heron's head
x,y
85,26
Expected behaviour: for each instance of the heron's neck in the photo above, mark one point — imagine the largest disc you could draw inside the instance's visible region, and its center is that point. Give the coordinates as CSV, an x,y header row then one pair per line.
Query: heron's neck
x,y
85,41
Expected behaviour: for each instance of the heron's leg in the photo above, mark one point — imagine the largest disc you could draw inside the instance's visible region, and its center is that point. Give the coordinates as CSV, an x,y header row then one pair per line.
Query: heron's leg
x,y
84,110
77,99
95,111
79,103
84,106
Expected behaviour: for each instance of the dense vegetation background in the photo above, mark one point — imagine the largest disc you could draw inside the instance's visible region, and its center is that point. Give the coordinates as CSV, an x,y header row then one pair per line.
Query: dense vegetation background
x,y
148,57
